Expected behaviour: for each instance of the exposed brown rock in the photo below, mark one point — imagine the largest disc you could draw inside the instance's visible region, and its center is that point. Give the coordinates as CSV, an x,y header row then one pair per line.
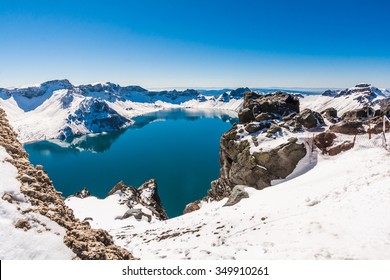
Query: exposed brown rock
x,y
324,140
192,207
350,128
85,242
345,146
23,224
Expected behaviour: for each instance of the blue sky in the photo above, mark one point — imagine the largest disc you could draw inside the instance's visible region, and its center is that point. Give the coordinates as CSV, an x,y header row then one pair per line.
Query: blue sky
x,y
185,43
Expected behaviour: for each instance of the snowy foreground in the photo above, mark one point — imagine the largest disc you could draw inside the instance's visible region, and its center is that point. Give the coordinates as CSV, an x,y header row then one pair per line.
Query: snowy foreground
x,y
336,210
45,238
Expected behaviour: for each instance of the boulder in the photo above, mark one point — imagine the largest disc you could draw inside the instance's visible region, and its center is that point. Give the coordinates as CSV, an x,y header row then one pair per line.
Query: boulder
x,y
237,194
246,116
348,127
264,117
253,127
324,140
330,114
309,119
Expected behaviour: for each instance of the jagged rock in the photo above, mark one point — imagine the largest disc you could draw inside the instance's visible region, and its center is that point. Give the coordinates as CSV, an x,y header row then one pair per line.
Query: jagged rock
x,y
146,195
7,197
309,119
357,115
237,194
37,188
345,146
137,214
324,140
350,128
278,104
23,224
83,193
192,207
331,115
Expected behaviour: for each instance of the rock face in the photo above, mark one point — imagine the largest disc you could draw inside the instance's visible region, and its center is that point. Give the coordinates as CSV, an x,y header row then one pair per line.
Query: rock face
x,y
261,115
348,127
37,187
146,195
330,114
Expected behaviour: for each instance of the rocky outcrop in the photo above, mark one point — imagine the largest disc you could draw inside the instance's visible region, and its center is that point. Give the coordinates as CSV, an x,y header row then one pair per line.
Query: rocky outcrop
x,y
325,142
38,189
146,195
348,127
262,116
330,114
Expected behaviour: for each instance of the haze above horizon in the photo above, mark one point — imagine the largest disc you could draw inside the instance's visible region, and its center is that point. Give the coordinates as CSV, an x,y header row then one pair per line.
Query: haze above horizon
x,y
205,44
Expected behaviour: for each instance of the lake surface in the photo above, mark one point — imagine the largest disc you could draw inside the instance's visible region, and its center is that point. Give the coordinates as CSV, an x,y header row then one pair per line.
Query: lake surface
x,y
179,148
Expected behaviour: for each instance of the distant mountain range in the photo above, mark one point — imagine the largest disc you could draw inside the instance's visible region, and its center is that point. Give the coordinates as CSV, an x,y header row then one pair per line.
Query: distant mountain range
x,y
59,109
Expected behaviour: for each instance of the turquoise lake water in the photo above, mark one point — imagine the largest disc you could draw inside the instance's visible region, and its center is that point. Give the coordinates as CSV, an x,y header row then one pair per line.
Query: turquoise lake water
x,y
179,148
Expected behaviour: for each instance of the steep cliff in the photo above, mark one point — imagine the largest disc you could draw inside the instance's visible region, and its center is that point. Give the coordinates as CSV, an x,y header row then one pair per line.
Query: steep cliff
x,y
39,196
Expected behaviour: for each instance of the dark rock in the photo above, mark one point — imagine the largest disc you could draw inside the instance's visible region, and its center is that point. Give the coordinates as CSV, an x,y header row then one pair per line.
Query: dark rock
x,y
330,114
237,194
264,117
358,114
255,127
345,146
23,224
324,140
246,115
350,128
309,119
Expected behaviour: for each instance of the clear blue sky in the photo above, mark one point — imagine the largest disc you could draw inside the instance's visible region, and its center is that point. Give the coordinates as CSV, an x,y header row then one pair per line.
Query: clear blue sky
x,y
185,43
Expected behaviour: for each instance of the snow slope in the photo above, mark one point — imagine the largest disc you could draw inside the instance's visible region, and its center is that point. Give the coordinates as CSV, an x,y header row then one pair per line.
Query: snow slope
x,y
335,210
44,240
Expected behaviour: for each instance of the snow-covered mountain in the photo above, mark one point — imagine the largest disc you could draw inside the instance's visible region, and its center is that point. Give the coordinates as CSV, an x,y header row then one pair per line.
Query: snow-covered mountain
x,y
353,98
58,109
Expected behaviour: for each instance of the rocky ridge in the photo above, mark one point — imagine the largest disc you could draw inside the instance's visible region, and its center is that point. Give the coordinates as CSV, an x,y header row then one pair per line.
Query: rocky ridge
x,y
36,186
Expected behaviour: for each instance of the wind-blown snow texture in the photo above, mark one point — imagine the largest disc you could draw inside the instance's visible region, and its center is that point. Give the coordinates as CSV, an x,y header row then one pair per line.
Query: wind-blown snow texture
x,y
336,210
58,109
